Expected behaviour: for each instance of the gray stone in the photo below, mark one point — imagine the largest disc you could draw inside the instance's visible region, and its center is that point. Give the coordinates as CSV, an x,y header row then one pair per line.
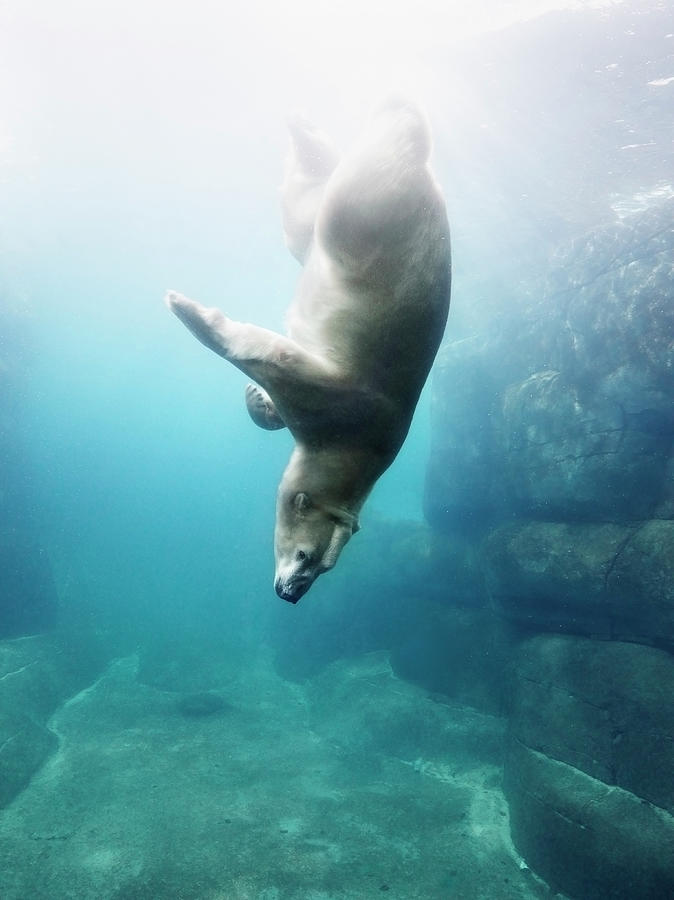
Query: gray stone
x,y
583,837
590,746
24,746
617,302
603,580
665,509
562,409
604,707
552,575
36,674
640,586
360,787
381,713
599,456
203,703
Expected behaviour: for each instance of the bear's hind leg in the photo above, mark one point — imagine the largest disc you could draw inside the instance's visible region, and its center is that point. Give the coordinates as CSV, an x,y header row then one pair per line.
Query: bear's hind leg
x,y
380,194
261,409
311,161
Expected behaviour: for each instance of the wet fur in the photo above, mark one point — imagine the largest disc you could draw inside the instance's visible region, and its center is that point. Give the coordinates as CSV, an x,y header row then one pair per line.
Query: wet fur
x,y
363,328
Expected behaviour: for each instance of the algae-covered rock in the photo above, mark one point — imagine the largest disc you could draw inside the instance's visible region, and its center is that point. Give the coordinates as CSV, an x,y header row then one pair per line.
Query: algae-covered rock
x,y
562,409
203,703
585,838
36,675
604,580
604,707
361,704
25,744
552,575
584,455
641,585
591,740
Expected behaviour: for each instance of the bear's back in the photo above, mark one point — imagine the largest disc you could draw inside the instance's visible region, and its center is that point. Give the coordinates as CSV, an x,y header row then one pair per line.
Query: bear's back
x,y
374,294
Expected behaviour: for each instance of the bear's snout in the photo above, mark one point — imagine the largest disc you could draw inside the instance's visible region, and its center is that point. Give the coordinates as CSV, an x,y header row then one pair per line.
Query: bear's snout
x,y
292,589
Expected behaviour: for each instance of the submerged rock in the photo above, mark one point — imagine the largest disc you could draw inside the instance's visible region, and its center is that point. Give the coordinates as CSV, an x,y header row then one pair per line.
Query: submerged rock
x,y
204,703
591,741
563,410
604,707
596,456
553,451
602,580
641,585
585,838
36,675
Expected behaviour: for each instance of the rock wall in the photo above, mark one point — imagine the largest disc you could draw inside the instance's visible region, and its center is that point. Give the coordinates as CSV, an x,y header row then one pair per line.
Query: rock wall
x,y
563,411
554,452
588,763
605,580
36,675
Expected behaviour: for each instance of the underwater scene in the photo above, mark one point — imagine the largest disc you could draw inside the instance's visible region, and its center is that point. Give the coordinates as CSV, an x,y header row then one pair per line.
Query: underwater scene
x,y
249,650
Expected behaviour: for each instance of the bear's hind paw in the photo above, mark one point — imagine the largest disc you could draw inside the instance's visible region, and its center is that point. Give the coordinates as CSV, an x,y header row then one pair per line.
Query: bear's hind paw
x,y
261,409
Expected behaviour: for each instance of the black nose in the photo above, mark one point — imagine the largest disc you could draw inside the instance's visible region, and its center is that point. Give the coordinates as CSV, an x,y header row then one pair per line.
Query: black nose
x,y
293,590
286,595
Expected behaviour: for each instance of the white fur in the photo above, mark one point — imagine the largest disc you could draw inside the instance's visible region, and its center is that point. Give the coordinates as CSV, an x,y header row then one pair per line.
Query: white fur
x,y
363,328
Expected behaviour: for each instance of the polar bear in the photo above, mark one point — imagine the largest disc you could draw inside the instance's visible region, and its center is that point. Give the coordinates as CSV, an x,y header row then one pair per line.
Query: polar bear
x,y
362,330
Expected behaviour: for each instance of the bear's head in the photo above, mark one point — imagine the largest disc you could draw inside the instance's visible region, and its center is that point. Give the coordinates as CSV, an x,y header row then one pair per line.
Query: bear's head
x,y
308,540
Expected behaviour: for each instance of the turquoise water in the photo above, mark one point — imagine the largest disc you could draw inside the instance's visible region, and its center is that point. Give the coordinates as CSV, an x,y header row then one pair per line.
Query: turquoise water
x,y
141,149
136,162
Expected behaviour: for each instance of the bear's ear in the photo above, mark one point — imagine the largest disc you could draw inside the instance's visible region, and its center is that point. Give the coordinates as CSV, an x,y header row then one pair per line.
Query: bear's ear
x,y
302,502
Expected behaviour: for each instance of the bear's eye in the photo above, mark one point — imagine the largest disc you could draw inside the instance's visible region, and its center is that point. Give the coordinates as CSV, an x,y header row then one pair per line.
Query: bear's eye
x,y
301,555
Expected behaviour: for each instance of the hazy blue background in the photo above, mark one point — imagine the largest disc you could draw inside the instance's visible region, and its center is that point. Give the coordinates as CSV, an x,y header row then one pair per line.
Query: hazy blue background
x,y
141,148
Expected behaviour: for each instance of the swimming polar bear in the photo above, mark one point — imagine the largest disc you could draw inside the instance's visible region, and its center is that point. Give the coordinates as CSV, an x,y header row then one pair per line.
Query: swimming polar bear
x,y
363,328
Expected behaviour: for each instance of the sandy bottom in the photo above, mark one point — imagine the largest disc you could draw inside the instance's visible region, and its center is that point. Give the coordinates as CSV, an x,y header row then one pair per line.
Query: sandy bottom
x,y
355,785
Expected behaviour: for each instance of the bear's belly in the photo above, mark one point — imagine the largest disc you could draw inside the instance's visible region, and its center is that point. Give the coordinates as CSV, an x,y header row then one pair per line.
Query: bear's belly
x,y
382,338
